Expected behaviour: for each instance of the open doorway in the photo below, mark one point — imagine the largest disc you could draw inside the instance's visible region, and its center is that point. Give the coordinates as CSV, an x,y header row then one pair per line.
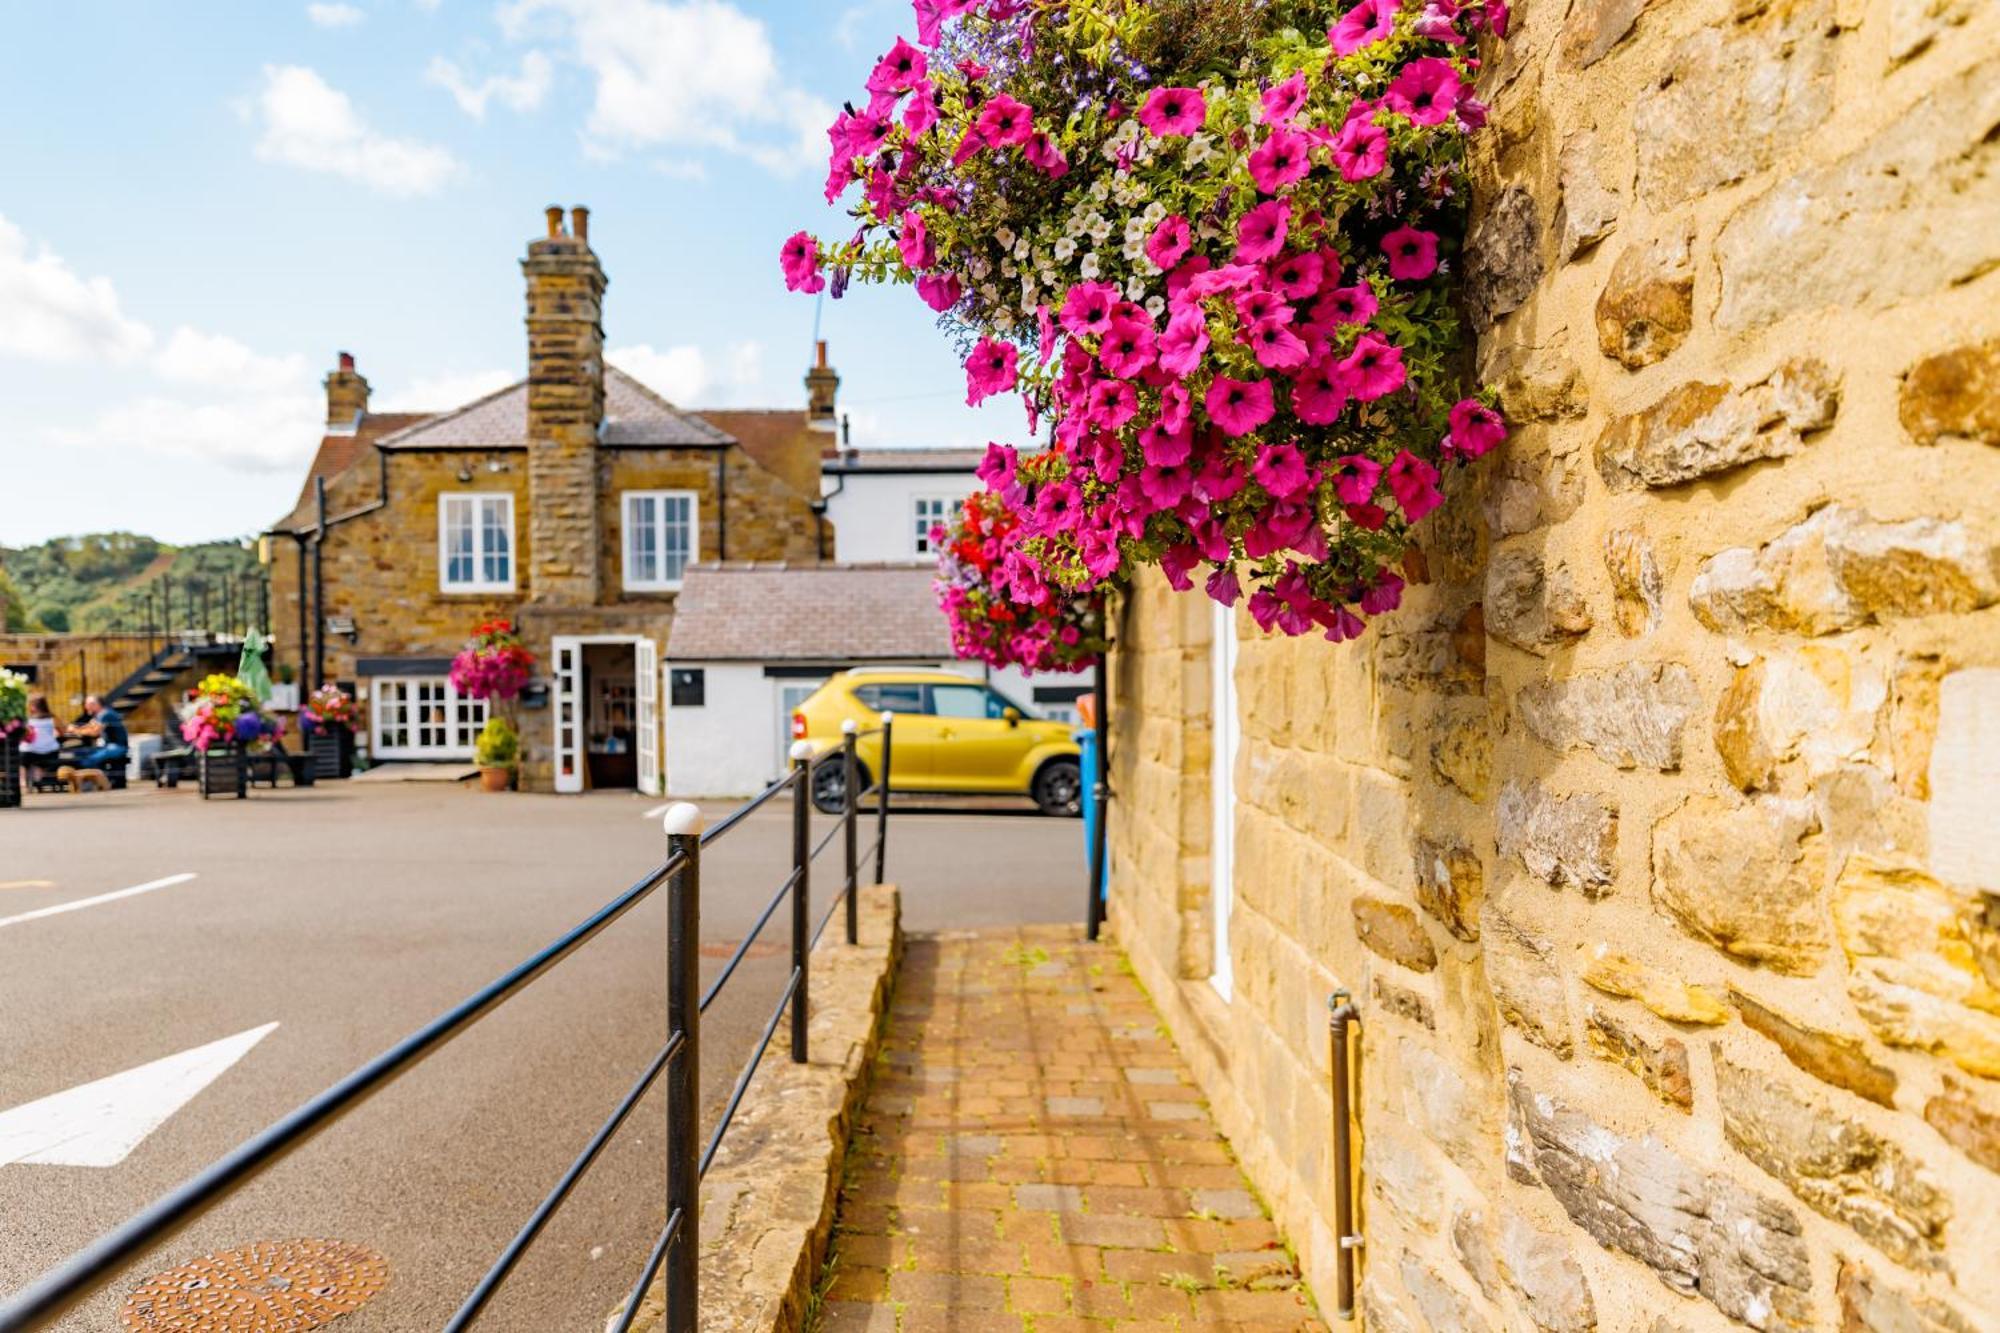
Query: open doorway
x,y
607,716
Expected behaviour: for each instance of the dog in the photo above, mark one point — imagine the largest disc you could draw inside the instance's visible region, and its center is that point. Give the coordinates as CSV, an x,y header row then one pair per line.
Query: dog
x,y
80,780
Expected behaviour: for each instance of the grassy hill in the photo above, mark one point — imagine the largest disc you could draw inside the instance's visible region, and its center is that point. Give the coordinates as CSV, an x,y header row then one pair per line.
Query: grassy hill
x,y
101,581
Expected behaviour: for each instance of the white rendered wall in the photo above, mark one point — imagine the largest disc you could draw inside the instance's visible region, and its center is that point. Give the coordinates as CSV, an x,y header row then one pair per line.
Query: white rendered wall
x,y
875,518
724,747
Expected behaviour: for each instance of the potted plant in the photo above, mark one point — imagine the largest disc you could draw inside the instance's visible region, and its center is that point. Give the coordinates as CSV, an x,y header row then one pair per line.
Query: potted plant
x,y
497,752
222,721
327,719
13,725
494,666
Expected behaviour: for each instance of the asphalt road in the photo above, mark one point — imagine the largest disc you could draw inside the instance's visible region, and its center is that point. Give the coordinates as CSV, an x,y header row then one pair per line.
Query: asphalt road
x,y
350,914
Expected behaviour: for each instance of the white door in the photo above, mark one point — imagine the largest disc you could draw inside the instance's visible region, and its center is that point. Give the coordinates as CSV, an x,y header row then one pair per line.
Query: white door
x,y
566,711
646,655
1225,735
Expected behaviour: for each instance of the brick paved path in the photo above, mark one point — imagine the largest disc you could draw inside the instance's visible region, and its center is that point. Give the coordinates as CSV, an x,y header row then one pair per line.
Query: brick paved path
x,y
1033,1158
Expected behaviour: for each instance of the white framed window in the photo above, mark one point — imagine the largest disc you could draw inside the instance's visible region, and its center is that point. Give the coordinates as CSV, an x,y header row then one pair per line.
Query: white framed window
x,y
423,717
476,541
662,538
931,511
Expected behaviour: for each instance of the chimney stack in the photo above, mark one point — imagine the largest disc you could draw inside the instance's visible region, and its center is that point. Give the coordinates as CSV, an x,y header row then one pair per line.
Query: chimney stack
x,y
346,397
822,388
565,410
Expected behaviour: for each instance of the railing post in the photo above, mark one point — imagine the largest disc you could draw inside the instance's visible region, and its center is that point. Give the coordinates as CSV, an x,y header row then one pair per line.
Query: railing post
x,y
882,800
1341,1015
683,825
850,783
802,757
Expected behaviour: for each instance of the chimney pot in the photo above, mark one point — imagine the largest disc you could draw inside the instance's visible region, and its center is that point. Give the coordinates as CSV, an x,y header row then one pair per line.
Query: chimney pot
x,y
579,222
822,354
347,360
554,212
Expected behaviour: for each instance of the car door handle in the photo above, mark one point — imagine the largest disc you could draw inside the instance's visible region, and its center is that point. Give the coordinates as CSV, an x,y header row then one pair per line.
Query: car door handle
x,y
945,733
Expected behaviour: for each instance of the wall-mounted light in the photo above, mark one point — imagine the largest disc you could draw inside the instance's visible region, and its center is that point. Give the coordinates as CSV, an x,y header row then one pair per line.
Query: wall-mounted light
x,y
344,625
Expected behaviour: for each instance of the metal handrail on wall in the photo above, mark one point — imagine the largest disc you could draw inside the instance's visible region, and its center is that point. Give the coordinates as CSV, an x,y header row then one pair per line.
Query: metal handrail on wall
x,y
677,1247
1341,1016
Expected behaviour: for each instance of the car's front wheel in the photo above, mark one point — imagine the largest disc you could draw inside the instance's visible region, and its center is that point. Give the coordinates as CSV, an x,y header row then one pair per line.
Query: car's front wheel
x,y
1058,788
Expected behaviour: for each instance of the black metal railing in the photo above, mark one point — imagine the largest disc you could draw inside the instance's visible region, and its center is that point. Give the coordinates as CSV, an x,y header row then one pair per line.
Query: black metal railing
x,y
677,1247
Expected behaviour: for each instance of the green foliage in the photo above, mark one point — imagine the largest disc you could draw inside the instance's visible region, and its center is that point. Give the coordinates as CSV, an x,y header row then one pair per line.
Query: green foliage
x,y
498,746
101,581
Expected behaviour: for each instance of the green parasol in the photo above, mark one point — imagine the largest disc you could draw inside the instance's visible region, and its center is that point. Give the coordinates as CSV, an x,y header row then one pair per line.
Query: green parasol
x,y
250,668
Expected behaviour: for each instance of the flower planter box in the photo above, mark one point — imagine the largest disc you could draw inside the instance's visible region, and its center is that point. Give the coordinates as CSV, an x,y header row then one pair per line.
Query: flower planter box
x,y
223,773
10,774
332,751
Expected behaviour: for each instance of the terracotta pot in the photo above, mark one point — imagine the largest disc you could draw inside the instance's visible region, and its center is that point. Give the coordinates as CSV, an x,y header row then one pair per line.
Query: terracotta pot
x,y
495,779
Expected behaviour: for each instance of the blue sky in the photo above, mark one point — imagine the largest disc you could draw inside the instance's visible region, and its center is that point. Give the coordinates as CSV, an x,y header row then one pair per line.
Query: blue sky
x,y
200,204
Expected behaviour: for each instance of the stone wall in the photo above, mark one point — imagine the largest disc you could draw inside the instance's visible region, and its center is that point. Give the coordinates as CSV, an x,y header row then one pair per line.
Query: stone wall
x,y
1656,835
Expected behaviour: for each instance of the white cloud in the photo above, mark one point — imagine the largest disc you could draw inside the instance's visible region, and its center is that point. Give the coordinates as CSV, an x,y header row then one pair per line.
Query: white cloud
x,y
441,393
308,123
48,312
687,375
334,15
258,433
216,361
517,92
681,73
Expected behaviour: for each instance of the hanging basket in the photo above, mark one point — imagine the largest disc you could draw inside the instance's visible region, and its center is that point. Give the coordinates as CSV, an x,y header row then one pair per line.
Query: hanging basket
x,y
224,773
10,773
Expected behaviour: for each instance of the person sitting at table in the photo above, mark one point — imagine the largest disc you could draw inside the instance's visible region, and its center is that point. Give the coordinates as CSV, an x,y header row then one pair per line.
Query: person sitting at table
x,y
107,728
43,743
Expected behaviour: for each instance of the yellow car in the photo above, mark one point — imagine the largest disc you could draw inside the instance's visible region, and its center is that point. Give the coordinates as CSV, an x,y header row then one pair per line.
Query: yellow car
x,y
953,734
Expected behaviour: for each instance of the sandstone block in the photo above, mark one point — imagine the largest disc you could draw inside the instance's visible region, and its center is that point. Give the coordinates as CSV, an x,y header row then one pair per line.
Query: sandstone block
x,y
1546,1276
1527,984
1451,883
1441,1304
1830,1057
1503,258
1403,1178
1462,753
1867,1305
1531,488
1954,395
1635,580
1402,1002
1647,308
1745,879
1631,718
1970,1119
1838,1166
1701,429
1732,99
1590,207
1842,234
1963,774
1669,997
1536,384
1700,1233
1529,605
1379,1310
1813,702
1561,839
1596,26
1436,1099
1662,1066
1395,932
1840,569
1924,967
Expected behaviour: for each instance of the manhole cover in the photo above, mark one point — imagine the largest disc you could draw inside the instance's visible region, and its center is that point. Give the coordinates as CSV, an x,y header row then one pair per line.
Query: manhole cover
x,y
726,948
274,1286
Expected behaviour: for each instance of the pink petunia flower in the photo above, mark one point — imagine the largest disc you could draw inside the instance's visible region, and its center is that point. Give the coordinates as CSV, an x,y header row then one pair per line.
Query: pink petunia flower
x,y
1087,308
1261,233
1279,161
1176,406
1185,341
1183,278
1319,395
913,242
1373,368
1414,484
800,261
1298,276
1281,469
1165,485
1275,346
922,112
1384,595
1058,507
931,15
1257,305
1130,345
1177,562
1170,241
1223,587
1350,305
1004,122
1426,91
1161,447
900,71
992,369
1354,479
1475,427
1361,150
1112,403
1221,478
1044,156
1238,406
996,469
940,291
1282,104
1413,253
1364,25
1173,111
1045,334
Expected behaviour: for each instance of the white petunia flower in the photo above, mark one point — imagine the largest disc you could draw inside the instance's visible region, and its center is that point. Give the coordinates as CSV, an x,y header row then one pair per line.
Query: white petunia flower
x,y
1063,249
1090,267
1004,235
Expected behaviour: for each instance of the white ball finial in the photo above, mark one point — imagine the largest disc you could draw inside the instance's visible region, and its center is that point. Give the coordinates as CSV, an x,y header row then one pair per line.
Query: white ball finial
x,y
682,818
802,750
849,727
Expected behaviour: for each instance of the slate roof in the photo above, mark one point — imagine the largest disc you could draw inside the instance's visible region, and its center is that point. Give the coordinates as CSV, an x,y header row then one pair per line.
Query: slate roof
x,y
774,611
635,416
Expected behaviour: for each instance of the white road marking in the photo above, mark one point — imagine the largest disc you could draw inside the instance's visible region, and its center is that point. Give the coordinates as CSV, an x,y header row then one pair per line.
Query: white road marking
x,y
27,884
658,810
99,1124
82,903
